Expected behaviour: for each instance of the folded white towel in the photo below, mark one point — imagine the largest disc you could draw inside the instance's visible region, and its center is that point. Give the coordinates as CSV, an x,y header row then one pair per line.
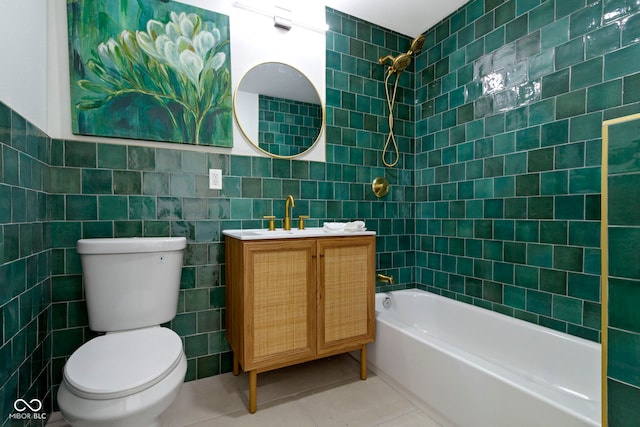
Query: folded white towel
x,y
344,226
334,226
355,226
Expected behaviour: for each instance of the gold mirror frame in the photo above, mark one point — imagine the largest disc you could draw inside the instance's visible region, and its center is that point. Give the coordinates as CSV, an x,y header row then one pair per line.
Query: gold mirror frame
x,y
267,67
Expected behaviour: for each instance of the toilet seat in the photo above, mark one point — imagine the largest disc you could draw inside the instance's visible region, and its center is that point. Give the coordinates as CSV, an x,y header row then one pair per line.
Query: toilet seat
x,y
122,363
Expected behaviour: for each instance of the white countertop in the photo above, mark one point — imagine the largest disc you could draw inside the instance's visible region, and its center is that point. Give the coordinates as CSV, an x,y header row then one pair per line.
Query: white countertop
x,y
279,233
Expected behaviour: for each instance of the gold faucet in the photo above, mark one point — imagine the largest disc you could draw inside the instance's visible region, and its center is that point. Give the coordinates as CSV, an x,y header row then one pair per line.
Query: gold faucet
x,y
385,278
287,219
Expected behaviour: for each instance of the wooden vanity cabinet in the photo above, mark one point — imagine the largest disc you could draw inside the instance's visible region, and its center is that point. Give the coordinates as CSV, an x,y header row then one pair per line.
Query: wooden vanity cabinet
x,y
294,300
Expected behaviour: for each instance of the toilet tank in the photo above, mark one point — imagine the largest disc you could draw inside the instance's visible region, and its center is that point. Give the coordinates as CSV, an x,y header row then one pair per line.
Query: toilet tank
x,y
131,283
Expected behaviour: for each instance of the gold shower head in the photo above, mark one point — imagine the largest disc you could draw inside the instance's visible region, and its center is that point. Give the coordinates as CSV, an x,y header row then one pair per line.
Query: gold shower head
x,y
402,61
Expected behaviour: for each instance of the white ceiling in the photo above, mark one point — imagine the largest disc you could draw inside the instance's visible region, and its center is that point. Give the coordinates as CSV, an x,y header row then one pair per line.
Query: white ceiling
x,y
408,17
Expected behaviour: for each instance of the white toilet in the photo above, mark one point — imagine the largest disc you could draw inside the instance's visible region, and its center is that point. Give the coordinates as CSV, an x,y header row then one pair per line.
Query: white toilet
x,y
130,375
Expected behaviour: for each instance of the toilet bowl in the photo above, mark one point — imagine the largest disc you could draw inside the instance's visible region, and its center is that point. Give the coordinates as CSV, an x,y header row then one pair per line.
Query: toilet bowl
x,y
123,379
128,376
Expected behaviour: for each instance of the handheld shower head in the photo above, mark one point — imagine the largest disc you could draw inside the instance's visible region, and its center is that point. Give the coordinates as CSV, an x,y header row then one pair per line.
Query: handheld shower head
x,y
416,44
402,61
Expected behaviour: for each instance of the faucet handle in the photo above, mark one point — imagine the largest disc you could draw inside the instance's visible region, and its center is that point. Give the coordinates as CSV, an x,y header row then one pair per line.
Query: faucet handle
x,y
272,222
301,222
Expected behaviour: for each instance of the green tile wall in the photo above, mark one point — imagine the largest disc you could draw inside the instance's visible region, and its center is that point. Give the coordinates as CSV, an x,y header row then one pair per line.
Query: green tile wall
x,y
25,266
509,109
623,182
287,127
356,131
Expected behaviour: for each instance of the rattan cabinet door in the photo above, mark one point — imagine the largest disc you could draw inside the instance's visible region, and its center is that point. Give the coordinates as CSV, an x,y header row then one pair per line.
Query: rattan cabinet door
x,y
346,292
280,302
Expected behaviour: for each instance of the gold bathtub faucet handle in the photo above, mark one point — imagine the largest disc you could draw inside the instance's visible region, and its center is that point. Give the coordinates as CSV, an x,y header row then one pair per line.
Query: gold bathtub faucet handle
x,y
301,219
287,219
272,222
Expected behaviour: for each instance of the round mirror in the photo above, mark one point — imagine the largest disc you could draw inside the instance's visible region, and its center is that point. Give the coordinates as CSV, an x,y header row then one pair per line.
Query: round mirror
x,y
278,110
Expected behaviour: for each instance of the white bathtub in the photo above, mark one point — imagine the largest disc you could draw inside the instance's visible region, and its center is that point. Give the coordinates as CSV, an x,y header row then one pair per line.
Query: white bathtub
x,y
479,368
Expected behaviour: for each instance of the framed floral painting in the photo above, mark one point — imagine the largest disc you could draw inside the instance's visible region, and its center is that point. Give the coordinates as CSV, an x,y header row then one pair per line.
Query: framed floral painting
x,y
150,69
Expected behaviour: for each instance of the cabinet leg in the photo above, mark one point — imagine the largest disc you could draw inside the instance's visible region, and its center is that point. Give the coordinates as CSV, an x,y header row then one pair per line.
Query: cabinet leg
x,y
253,385
363,362
236,364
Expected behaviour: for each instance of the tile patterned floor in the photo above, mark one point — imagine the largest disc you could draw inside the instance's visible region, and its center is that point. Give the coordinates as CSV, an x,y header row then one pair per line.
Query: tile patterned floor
x,y
326,392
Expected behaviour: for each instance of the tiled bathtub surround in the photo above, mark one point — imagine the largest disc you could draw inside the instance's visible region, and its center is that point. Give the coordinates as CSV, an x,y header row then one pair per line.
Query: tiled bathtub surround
x,y
510,102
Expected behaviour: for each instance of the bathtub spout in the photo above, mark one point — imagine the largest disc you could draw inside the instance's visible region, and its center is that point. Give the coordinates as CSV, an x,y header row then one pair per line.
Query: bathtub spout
x,y
385,278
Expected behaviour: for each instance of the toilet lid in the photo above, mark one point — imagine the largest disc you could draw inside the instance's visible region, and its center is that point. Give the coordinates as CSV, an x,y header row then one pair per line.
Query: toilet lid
x,y
122,363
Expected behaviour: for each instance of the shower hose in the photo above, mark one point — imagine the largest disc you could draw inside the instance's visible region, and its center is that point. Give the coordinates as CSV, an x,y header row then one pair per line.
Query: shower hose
x,y
391,139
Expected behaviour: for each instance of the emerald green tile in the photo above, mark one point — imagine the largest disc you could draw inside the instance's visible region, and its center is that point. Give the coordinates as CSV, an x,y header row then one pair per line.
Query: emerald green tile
x,y
570,156
623,399
540,208
592,258
569,207
517,28
568,258
168,160
505,13
584,286
623,298
66,341
515,297
540,160
542,112
616,9
541,64
208,366
196,345
80,154
492,291
586,127
586,73
554,34
208,320
515,208
155,183
624,199
567,7
527,231
584,180
602,41
605,95
554,183
141,158
631,30
539,255
539,302
567,309
142,207
622,242
112,207
624,348
622,62
586,234
127,182
528,185
81,208
553,281
585,20
555,84
571,104
630,83
553,232
515,252
541,15
112,156
63,180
